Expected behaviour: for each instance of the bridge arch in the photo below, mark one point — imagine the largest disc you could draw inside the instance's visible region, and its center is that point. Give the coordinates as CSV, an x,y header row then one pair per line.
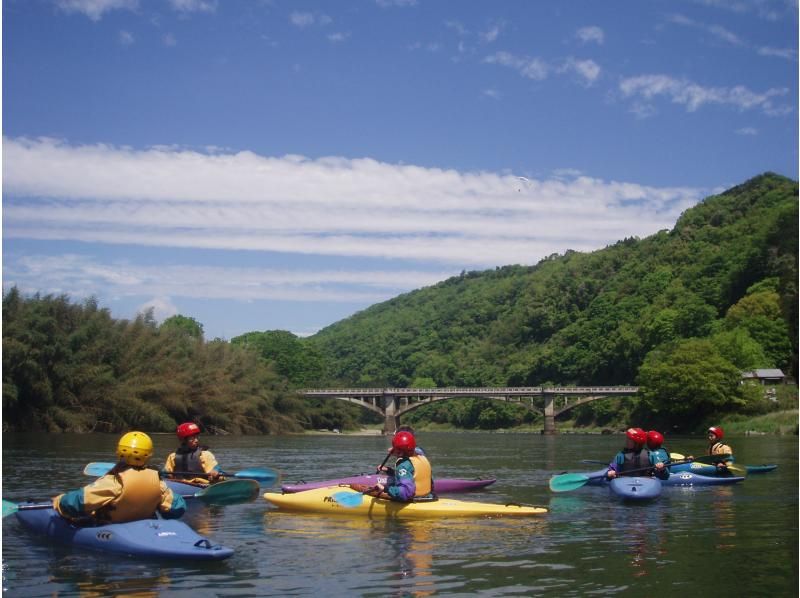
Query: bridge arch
x,y
392,403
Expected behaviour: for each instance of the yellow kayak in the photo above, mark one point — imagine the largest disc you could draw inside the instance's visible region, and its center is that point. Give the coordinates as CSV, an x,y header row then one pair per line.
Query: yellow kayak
x,y
340,500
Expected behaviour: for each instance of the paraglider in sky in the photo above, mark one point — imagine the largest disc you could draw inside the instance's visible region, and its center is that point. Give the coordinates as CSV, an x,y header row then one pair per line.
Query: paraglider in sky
x,y
523,182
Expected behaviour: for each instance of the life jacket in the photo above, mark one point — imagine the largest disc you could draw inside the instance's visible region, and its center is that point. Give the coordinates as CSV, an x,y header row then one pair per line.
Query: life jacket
x,y
719,449
188,460
423,479
635,459
139,499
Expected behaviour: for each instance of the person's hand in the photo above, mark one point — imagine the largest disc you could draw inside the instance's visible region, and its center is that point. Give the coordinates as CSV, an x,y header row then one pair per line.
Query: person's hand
x,y
213,476
690,458
659,466
611,474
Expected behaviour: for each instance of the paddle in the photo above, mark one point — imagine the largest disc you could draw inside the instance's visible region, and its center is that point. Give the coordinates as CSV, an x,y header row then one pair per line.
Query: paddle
x,y
223,493
9,507
572,481
228,492
350,500
265,477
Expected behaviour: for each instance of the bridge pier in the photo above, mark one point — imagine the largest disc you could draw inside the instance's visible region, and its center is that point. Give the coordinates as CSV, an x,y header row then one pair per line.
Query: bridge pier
x,y
391,420
549,415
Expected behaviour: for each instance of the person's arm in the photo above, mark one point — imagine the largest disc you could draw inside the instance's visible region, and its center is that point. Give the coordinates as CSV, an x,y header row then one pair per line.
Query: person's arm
x,y
86,500
169,466
403,488
172,505
613,467
210,465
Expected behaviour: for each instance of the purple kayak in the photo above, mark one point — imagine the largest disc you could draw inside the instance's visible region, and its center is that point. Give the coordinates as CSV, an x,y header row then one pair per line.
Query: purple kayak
x,y
441,485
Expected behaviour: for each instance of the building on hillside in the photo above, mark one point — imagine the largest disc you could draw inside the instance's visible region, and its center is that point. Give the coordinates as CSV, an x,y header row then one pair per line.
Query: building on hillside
x,y
766,376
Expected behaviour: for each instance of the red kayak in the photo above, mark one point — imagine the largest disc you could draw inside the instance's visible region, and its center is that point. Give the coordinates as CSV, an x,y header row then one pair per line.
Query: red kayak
x,y
440,485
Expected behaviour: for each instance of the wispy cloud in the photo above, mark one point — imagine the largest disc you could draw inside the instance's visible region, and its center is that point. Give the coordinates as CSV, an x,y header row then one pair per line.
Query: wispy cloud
x,y
126,38
95,9
591,34
693,95
531,68
194,5
328,206
538,69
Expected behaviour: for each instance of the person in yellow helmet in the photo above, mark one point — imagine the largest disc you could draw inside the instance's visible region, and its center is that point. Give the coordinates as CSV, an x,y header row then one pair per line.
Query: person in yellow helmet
x,y
128,492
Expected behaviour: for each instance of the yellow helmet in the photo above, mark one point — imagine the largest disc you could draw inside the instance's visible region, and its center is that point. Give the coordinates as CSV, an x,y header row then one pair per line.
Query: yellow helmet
x,y
135,448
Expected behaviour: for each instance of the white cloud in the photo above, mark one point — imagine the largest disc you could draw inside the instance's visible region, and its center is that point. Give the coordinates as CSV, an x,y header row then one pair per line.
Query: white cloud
x,y
94,9
162,307
329,206
787,53
589,34
693,96
588,70
338,37
395,3
531,68
194,5
126,38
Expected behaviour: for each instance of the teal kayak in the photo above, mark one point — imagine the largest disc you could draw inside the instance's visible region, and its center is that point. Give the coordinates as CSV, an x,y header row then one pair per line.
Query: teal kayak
x,y
760,468
146,538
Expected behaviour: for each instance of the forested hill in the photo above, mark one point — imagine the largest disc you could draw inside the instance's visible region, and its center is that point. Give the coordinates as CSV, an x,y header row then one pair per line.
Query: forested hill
x,y
717,293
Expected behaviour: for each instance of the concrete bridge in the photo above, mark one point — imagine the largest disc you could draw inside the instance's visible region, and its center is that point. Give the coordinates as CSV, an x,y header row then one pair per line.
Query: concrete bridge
x,y
392,403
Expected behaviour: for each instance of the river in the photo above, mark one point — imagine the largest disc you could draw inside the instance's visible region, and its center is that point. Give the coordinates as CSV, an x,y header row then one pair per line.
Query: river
x,y
732,540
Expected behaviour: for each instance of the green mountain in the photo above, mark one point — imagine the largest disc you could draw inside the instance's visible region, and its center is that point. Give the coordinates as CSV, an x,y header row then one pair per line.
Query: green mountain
x,y
724,277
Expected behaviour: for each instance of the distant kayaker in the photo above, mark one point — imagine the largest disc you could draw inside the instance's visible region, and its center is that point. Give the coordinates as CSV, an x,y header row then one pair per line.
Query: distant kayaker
x,y
191,458
126,493
716,447
412,473
635,457
655,444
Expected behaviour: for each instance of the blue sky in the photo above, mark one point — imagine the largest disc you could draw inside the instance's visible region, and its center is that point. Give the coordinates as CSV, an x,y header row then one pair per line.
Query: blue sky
x,y
276,164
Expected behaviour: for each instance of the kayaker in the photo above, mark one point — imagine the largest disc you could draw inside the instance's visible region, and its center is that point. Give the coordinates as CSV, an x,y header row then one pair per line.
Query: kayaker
x,y
190,457
636,457
412,473
655,444
128,492
716,447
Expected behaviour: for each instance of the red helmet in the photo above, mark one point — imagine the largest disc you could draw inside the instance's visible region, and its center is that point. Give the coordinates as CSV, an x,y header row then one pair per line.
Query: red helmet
x,y
404,442
654,439
638,436
717,431
188,429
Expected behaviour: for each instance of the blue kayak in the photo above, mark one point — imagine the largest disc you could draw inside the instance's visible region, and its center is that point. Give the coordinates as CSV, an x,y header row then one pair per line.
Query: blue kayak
x,y
694,467
690,478
760,468
149,538
683,478
631,488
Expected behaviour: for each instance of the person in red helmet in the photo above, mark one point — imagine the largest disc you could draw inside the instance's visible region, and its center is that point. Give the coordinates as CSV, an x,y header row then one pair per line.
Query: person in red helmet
x,y
655,444
716,447
191,458
412,473
636,457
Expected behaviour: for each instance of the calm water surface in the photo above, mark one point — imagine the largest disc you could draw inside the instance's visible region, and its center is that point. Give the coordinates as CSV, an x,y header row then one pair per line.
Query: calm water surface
x,y
743,540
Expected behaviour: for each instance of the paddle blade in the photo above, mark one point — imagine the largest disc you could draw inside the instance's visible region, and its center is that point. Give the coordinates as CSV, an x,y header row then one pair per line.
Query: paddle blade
x,y
568,481
97,469
9,508
229,492
265,477
349,498
677,456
